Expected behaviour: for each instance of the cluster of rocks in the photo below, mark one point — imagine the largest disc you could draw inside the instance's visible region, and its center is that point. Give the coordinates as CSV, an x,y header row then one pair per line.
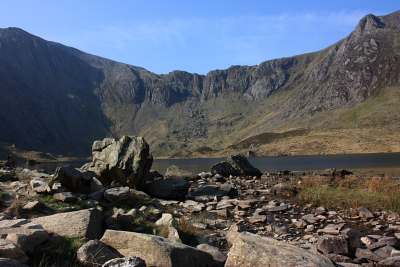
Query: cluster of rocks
x,y
247,218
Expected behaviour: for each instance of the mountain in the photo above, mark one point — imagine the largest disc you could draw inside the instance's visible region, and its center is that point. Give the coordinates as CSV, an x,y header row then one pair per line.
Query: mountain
x,y
58,99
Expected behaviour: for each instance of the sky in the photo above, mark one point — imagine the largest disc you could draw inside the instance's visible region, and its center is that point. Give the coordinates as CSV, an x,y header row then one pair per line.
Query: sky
x,y
191,35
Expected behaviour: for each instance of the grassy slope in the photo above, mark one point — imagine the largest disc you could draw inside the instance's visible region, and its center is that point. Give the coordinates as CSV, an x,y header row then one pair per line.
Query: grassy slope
x,y
370,127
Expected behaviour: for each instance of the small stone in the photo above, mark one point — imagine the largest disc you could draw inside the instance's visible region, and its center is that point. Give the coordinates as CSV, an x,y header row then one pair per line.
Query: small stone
x,y
309,228
65,196
166,219
30,205
365,213
257,219
223,213
367,240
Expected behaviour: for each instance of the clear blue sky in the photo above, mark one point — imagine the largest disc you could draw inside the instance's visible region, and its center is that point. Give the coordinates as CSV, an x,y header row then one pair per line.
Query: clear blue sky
x,y
191,35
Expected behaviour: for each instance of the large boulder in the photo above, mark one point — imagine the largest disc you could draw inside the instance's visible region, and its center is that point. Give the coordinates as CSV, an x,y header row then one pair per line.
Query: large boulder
x,y
76,180
77,224
168,189
126,160
254,250
235,165
156,250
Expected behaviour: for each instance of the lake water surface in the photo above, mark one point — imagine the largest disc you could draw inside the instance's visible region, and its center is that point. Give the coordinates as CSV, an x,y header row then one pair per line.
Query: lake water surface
x,y
360,164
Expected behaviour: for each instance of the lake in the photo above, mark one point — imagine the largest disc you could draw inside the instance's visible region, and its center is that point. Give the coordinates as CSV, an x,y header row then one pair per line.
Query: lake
x,y
360,164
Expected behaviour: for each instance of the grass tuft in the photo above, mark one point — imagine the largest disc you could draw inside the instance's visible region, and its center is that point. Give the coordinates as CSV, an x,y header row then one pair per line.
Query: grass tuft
x,y
376,194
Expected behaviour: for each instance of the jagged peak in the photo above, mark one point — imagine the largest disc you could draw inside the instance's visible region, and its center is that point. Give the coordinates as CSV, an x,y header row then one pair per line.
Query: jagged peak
x,y
368,24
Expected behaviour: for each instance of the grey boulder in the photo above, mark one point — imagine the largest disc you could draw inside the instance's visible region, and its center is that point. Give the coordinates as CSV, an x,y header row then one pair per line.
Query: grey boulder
x,y
126,160
235,165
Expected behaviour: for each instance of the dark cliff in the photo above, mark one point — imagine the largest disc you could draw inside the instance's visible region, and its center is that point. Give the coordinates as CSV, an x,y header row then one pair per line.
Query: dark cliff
x,y
57,98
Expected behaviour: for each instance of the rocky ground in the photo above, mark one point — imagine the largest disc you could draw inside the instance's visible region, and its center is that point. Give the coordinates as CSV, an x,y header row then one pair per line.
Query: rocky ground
x,y
213,219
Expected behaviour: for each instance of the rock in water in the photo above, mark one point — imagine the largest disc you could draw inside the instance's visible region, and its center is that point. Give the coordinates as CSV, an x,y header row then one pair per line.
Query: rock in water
x,y
235,165
126,160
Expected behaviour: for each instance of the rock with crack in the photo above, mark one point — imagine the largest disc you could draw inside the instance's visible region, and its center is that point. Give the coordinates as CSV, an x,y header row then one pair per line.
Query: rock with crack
x,y
127,160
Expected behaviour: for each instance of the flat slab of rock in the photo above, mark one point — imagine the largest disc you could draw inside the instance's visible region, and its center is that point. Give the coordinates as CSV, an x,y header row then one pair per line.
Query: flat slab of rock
x,y
254,250
30,205
77,224
278,208
26,234
257,219
155,250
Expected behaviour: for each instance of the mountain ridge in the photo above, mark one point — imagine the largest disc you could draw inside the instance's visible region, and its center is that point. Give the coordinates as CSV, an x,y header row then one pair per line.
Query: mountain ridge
x,y
71,98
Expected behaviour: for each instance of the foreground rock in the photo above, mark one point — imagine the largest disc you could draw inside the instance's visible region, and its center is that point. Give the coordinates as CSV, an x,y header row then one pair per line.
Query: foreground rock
x,y
126,160
77,224
7,262
235,165
155,250
23,233
254,250
95,253
9,250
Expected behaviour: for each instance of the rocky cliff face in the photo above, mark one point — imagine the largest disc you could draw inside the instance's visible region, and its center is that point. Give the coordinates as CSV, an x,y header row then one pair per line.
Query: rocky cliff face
x,y
60,99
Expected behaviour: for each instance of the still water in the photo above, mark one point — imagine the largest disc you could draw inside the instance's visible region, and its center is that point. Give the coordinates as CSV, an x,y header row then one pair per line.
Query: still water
x,y
360,164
